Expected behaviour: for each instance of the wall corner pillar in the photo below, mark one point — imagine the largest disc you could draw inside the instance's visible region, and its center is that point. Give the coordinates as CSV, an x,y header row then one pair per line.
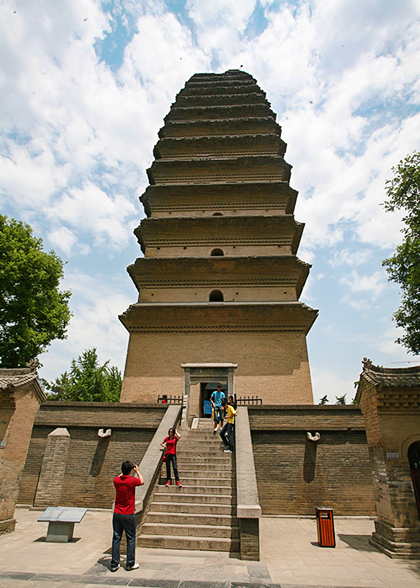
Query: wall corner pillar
x,y
53,468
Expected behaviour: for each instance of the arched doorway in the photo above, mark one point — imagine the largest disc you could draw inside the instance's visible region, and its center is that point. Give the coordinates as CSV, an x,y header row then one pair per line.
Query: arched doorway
x,y
414,460
216,296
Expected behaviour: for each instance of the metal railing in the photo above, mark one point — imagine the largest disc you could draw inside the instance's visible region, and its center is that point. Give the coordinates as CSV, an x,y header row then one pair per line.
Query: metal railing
x,y
165,399
248,400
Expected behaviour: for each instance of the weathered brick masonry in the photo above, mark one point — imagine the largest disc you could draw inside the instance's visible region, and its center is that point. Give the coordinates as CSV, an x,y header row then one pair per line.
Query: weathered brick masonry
x,y
20,396
390,401
92,461
220,280
296,475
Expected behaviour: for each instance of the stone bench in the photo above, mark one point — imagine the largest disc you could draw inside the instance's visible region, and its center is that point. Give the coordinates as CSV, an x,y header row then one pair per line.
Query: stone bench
x,y
61,520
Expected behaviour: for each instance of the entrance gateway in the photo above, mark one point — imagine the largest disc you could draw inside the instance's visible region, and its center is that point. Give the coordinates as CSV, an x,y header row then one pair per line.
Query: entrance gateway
x,y
197,377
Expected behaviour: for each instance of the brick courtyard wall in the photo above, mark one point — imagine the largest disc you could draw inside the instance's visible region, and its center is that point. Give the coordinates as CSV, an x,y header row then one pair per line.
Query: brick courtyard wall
x,y
92,462
295,475
17,411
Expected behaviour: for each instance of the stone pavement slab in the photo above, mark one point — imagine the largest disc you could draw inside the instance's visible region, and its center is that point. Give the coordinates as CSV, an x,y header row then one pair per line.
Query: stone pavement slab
x,y
290,549
290,558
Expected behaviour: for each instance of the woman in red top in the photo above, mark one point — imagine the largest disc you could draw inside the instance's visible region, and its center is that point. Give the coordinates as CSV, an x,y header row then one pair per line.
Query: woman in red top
x,y
169,443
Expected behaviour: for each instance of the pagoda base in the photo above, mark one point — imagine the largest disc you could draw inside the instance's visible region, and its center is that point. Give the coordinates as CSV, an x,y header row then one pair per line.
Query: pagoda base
x,y
271,366
396,543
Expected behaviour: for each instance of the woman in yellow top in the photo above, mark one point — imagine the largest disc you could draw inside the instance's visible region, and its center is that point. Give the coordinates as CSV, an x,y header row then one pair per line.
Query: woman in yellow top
x,y
228,428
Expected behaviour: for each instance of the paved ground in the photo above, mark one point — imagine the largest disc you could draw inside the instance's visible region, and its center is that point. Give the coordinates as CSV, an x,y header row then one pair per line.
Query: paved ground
x,y
290,558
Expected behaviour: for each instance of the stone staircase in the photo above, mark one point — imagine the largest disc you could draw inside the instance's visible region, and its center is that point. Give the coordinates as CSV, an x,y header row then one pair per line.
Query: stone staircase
x,y
202,514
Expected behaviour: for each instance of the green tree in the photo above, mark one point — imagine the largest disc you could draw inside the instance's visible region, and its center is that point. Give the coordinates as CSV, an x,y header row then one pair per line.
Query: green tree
x,y
324,400
33,311
403,267
87,381
341,400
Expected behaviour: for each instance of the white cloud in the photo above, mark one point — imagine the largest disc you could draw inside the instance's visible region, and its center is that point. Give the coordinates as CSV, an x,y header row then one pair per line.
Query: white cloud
x,y
373,284
94,324
220,24
81,207
346,257
62,239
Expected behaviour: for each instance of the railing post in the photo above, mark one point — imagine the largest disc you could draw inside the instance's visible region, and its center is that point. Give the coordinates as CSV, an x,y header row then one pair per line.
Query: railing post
x,y
248,504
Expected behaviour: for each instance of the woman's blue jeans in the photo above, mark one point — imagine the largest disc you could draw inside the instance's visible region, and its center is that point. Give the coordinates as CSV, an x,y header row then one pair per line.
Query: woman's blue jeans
x,y
171,458
122,523
228,428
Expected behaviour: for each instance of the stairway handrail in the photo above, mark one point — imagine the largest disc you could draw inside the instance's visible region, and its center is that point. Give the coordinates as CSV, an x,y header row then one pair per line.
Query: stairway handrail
x,y
248,503
152,460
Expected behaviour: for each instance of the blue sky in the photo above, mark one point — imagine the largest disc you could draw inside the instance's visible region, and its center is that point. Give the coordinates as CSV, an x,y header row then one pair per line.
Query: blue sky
x,y
84,88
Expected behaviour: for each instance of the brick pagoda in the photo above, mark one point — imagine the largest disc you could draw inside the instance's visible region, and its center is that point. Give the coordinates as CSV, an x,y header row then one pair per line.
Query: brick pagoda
x,y
219,283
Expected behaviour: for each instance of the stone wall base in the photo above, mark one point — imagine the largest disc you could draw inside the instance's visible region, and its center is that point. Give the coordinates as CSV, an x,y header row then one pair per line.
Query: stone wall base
x,y
396,543
7,526
249,530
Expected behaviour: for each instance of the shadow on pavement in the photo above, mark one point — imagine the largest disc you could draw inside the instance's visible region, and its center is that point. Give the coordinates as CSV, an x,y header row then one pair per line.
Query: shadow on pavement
x,y
359,542
44,539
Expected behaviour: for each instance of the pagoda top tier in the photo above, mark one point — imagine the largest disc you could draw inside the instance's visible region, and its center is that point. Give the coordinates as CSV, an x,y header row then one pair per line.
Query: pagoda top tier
x,y
219,179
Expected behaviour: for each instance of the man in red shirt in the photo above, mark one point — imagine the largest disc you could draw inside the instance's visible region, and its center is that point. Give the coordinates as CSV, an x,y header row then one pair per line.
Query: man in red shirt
x,y
124,518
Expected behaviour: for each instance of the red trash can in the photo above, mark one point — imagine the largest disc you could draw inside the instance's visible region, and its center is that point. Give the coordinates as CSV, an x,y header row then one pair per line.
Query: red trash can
x,y
325,527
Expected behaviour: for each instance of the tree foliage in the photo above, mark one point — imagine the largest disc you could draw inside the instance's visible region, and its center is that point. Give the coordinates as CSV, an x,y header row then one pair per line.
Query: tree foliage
x,y
403,267
87,381
33,311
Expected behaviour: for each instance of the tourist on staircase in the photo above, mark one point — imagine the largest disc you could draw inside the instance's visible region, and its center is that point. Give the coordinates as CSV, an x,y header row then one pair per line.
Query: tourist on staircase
x,y
169,443
218,413
228,428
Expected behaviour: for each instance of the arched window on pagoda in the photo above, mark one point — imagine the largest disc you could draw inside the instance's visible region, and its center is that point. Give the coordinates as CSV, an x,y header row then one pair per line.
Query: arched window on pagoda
x,y
216,296
216,252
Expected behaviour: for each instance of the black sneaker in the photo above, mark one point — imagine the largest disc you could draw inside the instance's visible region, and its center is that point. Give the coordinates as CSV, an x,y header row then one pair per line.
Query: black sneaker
x,y
135,566
115,568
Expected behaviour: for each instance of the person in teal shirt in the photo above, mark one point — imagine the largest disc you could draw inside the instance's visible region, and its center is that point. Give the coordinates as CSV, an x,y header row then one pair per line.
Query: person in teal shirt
x,y
216,400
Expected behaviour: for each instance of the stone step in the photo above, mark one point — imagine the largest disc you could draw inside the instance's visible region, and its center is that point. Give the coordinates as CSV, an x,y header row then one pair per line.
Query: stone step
x,y
215,531
206,489
216,480
192,458
190,543
180,496
208,444
189,471
192,508
183,518
203,435
190,477
204,453
217,453
204,470
212,470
